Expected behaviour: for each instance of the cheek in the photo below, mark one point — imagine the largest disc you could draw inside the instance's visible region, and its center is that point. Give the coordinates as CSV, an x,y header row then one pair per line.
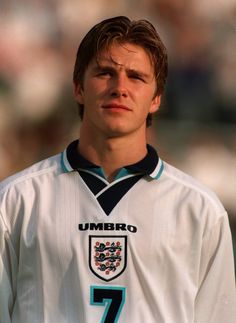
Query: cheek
x,y
96,90
146,99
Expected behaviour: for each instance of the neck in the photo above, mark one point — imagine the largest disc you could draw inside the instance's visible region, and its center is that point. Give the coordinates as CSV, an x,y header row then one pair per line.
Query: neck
x,y
112,153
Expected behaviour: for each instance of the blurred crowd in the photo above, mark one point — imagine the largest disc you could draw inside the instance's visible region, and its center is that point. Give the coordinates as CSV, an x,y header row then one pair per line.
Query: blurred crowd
x,y
195,128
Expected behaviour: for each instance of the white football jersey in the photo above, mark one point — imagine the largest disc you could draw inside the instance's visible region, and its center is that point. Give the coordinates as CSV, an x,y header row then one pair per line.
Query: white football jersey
x,y
152,246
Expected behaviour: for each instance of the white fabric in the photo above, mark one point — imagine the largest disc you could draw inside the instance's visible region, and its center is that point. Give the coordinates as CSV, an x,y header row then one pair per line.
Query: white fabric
x,y
179,261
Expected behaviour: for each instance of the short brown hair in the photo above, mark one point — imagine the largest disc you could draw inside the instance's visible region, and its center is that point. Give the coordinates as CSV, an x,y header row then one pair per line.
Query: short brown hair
x,y
122,30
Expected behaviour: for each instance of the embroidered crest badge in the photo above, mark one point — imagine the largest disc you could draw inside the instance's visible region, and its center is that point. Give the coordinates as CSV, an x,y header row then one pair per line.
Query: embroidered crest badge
x,y
107,256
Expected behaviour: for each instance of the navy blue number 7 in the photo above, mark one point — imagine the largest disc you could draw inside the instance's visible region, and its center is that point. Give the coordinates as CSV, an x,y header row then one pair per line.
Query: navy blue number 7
x,y
112,298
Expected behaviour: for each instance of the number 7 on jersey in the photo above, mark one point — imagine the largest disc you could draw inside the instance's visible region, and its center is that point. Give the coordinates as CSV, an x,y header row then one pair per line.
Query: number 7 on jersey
x,y
113,298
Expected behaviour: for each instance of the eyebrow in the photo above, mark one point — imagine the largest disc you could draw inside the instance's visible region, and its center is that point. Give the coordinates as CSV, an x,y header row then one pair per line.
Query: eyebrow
x,y
100,66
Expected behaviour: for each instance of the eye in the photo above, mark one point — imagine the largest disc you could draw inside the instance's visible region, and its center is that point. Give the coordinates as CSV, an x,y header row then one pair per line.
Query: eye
x,y
136,76
104,73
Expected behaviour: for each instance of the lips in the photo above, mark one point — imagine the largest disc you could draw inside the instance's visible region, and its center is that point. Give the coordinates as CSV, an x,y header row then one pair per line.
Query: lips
x,y
115,106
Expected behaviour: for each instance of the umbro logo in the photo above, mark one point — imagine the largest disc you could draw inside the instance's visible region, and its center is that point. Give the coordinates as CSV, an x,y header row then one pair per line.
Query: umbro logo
x,y
107,227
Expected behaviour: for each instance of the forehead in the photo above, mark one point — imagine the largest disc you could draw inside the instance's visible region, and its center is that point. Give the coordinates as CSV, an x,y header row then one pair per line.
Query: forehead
x,y
125,54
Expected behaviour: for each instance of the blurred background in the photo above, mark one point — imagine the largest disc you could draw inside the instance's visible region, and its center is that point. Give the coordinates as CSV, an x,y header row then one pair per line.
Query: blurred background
x,y
195,129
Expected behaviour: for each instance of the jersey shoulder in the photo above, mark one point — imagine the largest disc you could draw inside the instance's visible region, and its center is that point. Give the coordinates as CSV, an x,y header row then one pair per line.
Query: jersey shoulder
x,y
46,166
191,184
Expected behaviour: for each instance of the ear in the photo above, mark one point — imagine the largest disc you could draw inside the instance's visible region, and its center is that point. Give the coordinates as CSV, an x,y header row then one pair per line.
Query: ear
x,y
79,93
155,104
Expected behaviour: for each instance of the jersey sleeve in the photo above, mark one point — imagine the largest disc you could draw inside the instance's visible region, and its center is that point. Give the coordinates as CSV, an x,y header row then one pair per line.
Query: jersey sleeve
x,y
8,272
216,298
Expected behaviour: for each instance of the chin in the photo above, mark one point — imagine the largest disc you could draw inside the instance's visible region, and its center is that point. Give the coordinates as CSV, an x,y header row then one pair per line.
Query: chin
x,y
114,130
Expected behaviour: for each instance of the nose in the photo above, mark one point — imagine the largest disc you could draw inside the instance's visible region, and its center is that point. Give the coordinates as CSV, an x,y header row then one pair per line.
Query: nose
x,y
119,86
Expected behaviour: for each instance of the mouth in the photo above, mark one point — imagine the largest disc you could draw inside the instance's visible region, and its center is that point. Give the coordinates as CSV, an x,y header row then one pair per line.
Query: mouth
x,y
115,106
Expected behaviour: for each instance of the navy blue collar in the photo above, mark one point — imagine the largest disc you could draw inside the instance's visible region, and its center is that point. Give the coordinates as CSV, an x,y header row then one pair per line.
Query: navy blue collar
x,y
150,165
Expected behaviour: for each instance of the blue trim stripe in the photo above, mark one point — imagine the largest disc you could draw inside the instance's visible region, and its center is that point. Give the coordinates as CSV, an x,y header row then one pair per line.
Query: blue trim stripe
x,y
122,173
65,163
156,174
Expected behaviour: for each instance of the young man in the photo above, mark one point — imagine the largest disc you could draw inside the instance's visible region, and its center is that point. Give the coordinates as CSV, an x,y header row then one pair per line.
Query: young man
x,y
107,231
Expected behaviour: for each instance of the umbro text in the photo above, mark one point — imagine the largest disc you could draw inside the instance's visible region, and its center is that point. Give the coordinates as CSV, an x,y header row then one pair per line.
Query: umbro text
x,y
107,227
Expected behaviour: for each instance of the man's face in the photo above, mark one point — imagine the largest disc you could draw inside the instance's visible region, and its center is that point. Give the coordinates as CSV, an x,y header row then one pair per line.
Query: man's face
x,y
118,92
